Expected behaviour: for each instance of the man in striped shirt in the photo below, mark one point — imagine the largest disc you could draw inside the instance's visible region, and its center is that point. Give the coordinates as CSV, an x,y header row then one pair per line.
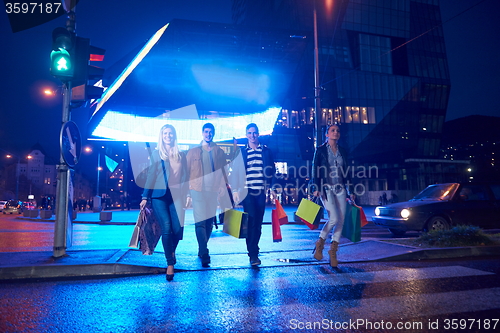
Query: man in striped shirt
x,y
260,170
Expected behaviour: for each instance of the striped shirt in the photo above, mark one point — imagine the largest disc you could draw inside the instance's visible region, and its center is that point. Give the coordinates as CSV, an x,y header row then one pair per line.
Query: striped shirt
x,y
255,169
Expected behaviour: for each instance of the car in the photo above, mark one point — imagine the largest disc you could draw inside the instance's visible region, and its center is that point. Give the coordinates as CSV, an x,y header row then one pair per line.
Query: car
x,y
2,204
442,206
13,207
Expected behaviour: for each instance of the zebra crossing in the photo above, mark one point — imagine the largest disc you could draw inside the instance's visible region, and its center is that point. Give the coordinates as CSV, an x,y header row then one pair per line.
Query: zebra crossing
x,y
315,297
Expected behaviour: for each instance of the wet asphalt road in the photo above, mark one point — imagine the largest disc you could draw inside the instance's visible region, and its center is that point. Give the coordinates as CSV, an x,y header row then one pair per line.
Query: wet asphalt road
x,y
437,296
281,299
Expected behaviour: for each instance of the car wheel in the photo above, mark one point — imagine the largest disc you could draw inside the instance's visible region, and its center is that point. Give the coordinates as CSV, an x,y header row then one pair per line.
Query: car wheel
x,y
397,232
438,223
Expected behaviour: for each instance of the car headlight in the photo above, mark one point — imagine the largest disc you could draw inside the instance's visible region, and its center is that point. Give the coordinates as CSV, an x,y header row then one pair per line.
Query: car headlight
x,y
377,211
405,213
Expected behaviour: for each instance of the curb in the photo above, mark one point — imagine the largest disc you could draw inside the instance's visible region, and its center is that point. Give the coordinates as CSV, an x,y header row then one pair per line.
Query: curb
x,y
446,253
75,271
112,269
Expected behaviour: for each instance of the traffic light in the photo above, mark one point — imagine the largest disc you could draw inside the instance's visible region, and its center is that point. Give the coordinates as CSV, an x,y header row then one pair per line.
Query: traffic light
x,y
62,54
86,75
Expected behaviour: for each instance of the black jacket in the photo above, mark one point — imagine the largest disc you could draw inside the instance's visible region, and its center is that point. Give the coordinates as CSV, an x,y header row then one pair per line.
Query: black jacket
x,y
321,169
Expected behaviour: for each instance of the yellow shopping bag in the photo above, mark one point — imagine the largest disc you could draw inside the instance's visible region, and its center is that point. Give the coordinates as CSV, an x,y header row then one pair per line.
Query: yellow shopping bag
x,y
310,213
235,223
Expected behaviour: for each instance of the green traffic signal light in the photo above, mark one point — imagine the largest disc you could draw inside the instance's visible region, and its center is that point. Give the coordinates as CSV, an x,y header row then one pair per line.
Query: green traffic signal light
x,y
61,63
62,54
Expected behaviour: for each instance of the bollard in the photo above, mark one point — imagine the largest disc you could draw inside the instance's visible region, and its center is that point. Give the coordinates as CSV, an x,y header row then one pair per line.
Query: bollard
x,y
105,216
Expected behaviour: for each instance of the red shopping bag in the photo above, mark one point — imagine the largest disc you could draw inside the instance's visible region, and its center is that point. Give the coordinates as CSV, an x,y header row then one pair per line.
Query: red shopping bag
x,y
275,222
364,220
281,215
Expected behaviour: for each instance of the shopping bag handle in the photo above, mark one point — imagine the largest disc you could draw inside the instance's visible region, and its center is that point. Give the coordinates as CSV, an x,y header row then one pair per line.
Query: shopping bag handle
x,y
314,199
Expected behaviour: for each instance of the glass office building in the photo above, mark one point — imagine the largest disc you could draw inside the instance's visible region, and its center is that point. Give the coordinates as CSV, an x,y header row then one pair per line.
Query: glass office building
x,y
383,75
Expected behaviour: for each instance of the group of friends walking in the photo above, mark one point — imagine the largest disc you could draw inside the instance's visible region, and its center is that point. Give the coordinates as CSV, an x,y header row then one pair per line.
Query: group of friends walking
x,y
203,174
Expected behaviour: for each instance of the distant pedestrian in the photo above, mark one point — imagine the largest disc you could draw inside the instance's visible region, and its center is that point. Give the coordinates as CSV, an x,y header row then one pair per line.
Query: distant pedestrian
x,y
164,190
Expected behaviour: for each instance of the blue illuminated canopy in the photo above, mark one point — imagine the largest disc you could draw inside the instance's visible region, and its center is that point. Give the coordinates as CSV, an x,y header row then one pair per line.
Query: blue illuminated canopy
x,y
219,71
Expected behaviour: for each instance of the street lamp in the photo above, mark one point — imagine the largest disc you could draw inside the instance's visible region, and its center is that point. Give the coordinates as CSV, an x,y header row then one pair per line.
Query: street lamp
x,y
317,88
99,168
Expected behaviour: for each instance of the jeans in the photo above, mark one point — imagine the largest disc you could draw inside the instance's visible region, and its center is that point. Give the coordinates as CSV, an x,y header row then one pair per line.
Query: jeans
x,y
204,211
254,205
335,204
162,210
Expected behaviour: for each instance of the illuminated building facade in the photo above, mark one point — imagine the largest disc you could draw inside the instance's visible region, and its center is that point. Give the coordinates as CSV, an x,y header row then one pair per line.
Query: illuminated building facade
x,y
384,77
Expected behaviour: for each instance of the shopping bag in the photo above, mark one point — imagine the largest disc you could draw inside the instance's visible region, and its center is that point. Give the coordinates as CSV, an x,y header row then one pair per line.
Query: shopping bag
x,y
364,220
310,213
280,213
275,222
147,232
352,223
235,223
278,218
134,240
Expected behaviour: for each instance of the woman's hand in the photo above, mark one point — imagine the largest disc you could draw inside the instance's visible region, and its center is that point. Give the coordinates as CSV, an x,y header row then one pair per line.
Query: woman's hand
x,y
316,193
143,203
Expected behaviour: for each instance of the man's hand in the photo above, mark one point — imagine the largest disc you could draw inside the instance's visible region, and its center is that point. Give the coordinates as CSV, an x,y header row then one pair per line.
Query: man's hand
x,y
236,198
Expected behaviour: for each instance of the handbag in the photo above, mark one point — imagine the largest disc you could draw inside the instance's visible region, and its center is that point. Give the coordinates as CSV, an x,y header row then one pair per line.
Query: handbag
x,y
310,213
147,232
352,223
235,223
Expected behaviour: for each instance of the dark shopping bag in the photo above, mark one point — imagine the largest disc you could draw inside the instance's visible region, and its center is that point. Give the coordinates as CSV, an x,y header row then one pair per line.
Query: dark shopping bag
x,y
235,223
352,223
147,232
310,213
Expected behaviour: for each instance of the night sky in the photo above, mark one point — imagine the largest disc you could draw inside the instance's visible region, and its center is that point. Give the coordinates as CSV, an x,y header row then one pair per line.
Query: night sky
x,y
27,116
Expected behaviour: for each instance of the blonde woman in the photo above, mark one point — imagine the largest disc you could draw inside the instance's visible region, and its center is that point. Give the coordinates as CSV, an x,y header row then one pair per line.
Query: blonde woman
x,y
164,189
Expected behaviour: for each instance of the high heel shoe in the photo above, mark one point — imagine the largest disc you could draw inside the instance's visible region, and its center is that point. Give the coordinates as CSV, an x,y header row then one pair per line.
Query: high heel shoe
x,y
170,277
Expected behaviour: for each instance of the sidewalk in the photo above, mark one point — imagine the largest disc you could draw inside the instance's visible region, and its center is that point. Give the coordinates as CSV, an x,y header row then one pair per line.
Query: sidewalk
x,y
226,252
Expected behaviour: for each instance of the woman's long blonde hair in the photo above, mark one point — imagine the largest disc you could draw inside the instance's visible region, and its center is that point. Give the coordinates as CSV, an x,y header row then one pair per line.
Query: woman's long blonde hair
x,y
173,152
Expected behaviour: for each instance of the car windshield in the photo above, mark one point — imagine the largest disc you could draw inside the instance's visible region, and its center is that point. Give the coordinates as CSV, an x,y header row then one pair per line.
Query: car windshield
x,y
437,192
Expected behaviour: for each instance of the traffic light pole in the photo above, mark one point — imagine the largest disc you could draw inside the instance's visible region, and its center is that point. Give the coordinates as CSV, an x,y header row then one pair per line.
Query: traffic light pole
x,y
63,228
